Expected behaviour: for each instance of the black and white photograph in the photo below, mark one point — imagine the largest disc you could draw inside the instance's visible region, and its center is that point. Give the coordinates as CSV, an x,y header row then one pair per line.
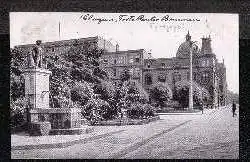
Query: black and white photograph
x,y
89,85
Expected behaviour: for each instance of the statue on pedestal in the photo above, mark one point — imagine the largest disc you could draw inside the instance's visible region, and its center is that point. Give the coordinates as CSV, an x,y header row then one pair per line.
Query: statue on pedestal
x,y
35,56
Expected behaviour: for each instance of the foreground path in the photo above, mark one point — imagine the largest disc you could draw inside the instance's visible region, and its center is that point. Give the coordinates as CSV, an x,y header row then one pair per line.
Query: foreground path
x,y
174,136
211,136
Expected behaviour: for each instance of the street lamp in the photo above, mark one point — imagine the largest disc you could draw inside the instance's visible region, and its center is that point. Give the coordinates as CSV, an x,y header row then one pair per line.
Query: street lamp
x,y
192,44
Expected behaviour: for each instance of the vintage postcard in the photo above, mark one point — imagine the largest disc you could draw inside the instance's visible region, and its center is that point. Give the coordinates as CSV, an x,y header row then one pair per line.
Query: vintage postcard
x,y
124,85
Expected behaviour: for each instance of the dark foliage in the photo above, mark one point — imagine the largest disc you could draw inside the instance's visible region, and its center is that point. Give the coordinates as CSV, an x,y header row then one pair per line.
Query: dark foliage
x,y
160,93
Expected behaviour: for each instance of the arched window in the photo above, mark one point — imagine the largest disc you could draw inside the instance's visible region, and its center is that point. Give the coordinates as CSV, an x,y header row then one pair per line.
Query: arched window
x,y
205,76
148,79
114,72
161,78
177,77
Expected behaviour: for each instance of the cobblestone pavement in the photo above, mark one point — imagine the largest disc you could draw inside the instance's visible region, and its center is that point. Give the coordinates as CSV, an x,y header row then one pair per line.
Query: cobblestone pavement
x,y
214,136
173,136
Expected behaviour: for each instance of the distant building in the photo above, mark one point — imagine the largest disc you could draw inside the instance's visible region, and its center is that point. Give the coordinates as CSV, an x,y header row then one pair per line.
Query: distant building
x,y
58,47
207,72
146,70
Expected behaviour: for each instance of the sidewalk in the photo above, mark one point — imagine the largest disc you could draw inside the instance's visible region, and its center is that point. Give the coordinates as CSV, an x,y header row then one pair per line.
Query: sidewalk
x,y
205,111
24,141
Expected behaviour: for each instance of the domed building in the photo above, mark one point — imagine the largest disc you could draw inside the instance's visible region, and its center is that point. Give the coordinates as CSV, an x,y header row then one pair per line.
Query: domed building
x,y
184,49
207,71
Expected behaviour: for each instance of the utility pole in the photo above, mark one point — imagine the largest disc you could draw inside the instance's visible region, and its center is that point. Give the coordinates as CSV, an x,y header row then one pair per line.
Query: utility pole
x,y
59,30
191,104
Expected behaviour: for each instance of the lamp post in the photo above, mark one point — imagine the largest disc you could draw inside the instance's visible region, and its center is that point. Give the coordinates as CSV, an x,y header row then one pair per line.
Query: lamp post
x,y
191,76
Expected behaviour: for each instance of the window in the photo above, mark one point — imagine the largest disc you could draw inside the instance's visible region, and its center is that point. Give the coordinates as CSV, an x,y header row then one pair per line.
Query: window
x,y
131,60
163,64
148,65
205,63
105,60
177,77
195,76
137,71
131,71
114,61
161,78
137,60
205,76
188,75
148,79
53,49
114,70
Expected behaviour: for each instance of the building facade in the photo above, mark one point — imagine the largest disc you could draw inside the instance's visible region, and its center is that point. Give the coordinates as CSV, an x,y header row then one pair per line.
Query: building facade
x,y
207,71
146,70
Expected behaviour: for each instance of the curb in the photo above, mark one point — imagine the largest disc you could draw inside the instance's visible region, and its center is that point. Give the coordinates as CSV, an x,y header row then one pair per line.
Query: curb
x,y
64,144
198,113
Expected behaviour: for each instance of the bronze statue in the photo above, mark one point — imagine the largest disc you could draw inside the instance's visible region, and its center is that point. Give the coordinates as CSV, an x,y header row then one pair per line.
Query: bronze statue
x,y
35,57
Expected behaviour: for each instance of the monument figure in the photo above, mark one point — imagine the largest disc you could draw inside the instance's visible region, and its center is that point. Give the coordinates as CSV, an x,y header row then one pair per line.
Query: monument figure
x,y
35,57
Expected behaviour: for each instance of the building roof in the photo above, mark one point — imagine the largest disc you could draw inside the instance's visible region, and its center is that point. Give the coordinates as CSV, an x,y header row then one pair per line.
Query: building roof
x,y
126,51
61,42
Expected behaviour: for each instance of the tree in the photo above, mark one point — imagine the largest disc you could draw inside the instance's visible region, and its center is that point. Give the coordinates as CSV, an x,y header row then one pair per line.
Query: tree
x,y
16,79
160,93
182,93
125,75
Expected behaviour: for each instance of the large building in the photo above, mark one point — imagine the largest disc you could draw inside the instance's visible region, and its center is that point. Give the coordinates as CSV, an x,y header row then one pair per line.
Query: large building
x,y
207,71
146,70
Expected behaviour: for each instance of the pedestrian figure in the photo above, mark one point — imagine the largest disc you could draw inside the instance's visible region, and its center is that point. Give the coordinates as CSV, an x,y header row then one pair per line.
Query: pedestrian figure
x,y
201,107
234,108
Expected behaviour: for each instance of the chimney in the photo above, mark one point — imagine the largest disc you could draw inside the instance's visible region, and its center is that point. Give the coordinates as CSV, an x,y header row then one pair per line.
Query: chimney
x,y
117,47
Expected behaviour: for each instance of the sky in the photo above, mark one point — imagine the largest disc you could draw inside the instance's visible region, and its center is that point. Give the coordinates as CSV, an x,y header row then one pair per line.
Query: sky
x,y
162,38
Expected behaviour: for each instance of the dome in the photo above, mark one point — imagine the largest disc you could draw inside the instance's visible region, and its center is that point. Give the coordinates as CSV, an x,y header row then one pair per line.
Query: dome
x,y
183,50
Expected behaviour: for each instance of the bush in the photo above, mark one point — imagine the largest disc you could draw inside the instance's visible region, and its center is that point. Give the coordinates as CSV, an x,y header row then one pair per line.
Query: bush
x,y
138,110
149,110
97,110
135,111
200,94
39,128
17,112
105,89
160,93
136,93
82,92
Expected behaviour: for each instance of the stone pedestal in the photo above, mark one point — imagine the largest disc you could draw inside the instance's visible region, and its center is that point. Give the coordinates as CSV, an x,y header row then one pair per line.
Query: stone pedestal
x,y
58,117
37,87
37,94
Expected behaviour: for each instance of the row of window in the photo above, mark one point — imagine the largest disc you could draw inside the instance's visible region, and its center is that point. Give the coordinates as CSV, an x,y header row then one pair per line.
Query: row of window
x,y
121,60
132,71
204,63
177,77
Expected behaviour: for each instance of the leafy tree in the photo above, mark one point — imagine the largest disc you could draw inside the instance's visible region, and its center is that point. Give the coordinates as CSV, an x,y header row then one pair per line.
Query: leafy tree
x,y
137,93
16,79
139,110
82,92
125,75
17,109
160,93
182,93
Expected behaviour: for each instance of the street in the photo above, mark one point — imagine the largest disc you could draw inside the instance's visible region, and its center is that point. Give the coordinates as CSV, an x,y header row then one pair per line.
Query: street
x,y
214,134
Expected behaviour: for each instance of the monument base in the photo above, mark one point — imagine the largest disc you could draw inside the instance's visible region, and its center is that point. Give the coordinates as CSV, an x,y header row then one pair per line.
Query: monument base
x,y
59,118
